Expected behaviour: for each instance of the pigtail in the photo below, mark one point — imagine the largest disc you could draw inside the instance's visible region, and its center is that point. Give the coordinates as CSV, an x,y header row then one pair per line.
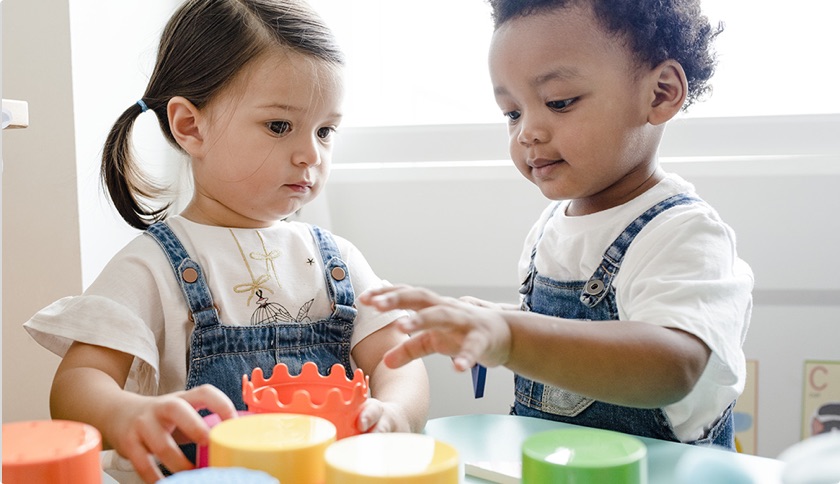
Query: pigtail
x,y
130,189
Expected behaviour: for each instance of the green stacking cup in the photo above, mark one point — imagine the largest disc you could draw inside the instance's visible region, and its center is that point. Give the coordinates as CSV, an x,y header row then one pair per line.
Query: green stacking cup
x,y
583,456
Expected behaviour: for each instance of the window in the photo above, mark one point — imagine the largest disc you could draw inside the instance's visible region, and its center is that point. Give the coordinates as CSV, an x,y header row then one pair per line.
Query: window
x,y
425,63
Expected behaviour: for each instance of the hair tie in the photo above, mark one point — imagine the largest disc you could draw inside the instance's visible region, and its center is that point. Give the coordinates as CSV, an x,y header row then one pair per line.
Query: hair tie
x,y
142,105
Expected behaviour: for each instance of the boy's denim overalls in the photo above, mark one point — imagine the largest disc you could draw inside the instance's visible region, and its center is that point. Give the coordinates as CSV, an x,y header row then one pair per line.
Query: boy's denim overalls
x,y
220,354
595,300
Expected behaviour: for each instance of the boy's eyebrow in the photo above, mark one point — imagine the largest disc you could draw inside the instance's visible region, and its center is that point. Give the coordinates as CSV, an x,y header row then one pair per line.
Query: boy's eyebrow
x,y
561,73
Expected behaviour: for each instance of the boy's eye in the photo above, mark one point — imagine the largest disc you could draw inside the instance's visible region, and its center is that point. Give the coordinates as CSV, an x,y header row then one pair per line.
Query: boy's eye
x,y
325,133
279,127
560,105
512,115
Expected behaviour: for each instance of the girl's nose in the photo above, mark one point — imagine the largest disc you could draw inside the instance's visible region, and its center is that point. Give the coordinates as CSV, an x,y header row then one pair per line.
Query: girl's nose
x,y
307,153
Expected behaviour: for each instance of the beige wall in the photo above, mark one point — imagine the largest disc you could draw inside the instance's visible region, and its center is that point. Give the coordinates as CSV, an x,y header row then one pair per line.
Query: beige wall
x,y
41,261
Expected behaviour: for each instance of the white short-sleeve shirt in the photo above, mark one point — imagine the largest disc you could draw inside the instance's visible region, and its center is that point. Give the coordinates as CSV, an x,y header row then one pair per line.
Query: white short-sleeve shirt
x,y
681,271
136,305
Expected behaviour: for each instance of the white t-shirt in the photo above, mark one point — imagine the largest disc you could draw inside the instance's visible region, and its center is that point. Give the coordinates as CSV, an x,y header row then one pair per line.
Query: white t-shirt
x,y
136,305
681,271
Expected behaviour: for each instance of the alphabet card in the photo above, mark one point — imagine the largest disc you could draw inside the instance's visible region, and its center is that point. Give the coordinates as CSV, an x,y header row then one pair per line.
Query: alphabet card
x,y
821,398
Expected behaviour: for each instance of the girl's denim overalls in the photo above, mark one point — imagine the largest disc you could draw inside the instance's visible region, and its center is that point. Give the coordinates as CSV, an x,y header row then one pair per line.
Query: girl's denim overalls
x,y
220,354
595,300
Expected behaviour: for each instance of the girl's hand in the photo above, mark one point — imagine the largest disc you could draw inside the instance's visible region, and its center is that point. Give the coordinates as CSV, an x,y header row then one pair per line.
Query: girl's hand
x,y
148,428
379,416
463,330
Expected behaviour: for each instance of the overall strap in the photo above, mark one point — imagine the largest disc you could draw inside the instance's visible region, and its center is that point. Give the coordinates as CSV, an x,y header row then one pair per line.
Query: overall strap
x,y
336,274
189,275
528,283
599,284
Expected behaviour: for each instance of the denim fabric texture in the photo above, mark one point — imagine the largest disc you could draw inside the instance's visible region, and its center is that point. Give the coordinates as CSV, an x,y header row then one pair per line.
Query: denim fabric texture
x,y
594,300
220,354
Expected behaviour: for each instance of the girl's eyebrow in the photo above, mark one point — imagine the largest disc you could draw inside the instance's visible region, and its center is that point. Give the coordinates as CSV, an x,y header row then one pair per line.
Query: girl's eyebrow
x,y
285,107
296,109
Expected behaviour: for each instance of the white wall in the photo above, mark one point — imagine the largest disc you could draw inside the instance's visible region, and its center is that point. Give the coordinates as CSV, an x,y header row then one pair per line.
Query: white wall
x,y
58,227
40,217
453,227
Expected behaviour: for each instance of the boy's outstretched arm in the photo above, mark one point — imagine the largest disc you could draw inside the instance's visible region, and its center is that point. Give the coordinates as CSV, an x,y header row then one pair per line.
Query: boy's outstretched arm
x,y
88,387
623,362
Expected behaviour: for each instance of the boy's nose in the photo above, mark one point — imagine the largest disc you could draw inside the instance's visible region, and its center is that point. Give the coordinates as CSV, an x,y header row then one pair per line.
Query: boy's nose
x,y
532,132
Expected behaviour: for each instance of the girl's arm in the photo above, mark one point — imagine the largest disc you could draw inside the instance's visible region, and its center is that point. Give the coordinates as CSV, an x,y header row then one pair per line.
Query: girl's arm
x,y
623,362
399,397
88,387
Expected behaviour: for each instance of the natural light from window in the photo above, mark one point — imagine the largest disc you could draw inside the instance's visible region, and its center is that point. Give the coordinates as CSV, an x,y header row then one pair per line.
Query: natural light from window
x,y
422,63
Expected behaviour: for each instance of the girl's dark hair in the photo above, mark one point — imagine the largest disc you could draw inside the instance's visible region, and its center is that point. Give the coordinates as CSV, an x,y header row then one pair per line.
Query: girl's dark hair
x,y
656,30
202,48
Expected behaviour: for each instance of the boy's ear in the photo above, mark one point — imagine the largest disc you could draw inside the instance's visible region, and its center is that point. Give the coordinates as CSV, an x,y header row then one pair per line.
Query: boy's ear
x,y
669,91
185,124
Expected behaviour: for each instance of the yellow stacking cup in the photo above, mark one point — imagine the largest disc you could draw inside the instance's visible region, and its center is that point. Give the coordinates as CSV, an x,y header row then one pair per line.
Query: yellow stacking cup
x,y
381,458
287,446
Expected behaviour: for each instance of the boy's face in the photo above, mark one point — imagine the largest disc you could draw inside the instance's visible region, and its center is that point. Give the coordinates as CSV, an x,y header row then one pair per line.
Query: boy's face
x,y
577,105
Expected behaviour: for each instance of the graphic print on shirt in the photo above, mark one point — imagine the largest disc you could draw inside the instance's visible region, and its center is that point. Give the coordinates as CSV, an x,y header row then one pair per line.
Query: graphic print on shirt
x,y
270,312
267,312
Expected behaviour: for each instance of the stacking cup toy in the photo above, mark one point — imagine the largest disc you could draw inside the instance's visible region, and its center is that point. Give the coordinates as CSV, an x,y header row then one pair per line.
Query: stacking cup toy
x,y
583,455
201,451
289,447
333,397
51,452
381,458
220,475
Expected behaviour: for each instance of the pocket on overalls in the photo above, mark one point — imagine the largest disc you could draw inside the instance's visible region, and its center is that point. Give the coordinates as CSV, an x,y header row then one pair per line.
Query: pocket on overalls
x,y
563,402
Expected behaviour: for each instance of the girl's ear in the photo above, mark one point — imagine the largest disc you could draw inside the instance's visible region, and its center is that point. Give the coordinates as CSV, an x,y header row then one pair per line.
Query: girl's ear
x,y
669,91
185,124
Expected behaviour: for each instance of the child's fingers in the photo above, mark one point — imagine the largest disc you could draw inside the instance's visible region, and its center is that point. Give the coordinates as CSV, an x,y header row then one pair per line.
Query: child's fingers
x,y
370,415
211,398
404,297
144,463
161,444
419,345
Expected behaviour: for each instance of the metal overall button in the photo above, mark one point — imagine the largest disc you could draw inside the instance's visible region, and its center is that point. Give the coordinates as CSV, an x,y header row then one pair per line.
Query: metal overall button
x,y
189,275
338,273
594,287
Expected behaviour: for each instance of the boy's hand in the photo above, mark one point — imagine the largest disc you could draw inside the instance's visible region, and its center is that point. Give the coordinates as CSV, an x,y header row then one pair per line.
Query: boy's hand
x,y
146,428
465,331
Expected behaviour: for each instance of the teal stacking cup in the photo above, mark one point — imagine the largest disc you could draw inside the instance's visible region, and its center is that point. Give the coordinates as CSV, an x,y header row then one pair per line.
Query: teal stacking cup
x,y
583,456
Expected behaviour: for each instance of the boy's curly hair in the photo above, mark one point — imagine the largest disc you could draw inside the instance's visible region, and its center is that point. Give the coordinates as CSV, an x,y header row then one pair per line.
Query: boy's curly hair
x,y
656,30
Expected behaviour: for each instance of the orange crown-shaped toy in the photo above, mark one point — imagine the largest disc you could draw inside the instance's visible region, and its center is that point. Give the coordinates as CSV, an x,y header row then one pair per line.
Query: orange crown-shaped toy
x,y
332,397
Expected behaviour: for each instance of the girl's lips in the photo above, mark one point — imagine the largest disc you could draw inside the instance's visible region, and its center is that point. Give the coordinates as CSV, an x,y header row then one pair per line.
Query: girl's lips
x,y
300,186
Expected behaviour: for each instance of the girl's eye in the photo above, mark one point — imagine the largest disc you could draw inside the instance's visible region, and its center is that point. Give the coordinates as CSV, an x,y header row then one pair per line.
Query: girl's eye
x,y
512,115
279,127
325,133
560,105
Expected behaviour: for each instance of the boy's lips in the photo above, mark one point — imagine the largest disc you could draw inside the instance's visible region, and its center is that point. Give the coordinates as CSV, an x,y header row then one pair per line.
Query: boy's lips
x,y
541,167
541,162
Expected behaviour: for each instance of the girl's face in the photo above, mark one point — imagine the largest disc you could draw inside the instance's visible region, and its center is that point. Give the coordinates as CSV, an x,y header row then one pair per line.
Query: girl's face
x,y
266,142
576,104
